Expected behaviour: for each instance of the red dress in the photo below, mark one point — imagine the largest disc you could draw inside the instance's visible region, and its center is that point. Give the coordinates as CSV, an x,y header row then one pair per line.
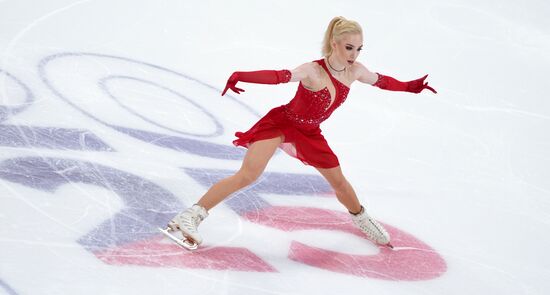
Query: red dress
x,y
299,122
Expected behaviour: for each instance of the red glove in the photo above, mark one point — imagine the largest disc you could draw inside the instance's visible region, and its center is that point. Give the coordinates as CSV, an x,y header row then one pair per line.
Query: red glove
x,y
415,86
260,77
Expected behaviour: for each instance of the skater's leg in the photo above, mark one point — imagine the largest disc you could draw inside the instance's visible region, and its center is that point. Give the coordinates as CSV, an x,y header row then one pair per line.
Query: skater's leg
x,y
342,188
253,165
346,195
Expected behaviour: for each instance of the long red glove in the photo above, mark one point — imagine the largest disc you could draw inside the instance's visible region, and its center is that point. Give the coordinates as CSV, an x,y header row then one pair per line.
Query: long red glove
x,y
260,77
415,86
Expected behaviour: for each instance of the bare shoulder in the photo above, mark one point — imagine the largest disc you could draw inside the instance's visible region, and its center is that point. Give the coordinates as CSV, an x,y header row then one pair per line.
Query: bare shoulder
x,y
304,71
358,69
362,74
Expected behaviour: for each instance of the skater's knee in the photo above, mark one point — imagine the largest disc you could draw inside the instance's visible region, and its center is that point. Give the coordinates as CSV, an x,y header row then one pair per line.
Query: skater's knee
x,y
339,184
337,181
335,178
248,176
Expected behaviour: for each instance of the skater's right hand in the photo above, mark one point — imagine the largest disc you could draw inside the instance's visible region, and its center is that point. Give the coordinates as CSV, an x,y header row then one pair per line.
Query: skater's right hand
x,y
232,84
416,86
260,77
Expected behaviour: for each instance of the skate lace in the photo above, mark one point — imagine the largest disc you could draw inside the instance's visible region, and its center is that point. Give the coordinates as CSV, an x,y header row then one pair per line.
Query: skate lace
x,y
367,224
192,222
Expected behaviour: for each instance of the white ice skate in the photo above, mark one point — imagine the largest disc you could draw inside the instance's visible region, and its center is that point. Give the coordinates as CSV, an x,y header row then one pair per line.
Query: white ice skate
x,y
187,222
374,230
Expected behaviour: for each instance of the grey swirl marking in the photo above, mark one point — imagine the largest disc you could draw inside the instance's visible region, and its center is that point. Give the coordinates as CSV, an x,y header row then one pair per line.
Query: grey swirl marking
x,y
146,205
51,138
6,112
7,288
193,146
103,83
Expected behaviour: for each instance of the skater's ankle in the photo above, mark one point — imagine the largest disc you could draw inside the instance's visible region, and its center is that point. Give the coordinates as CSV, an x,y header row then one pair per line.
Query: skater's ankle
x,y
202,206
360,211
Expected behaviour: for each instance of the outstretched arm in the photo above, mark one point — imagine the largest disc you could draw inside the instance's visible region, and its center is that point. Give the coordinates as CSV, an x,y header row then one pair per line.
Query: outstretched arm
x,y
260,77
389,83
268,77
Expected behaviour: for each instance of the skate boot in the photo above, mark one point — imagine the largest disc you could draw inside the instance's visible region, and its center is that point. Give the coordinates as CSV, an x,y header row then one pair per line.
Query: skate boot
x,y
187,222
374,230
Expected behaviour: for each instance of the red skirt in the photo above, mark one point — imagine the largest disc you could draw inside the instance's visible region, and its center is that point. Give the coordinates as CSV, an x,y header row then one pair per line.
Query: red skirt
x,y
304,143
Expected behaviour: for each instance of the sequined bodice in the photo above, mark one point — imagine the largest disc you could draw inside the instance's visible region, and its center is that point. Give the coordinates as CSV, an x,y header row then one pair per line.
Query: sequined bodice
x,y
310,108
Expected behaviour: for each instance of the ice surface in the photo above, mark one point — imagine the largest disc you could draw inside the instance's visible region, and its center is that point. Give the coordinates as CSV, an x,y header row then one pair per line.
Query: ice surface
x,y
111,122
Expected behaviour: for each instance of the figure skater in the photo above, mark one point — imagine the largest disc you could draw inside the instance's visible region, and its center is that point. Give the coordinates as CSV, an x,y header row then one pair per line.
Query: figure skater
x,y
294,127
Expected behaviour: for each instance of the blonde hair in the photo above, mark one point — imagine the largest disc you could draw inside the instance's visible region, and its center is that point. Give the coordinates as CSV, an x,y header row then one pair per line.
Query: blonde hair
x,y
336,28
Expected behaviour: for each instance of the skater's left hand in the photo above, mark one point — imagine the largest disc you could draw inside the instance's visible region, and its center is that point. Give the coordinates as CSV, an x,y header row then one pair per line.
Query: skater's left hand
x,y
418,85
232,84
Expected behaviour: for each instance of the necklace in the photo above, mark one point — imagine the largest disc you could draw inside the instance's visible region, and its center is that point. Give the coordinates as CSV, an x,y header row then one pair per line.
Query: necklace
x,y
334,68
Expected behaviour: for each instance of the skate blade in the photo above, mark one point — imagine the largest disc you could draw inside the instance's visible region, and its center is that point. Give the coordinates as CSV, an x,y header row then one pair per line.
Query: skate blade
x,y
184,243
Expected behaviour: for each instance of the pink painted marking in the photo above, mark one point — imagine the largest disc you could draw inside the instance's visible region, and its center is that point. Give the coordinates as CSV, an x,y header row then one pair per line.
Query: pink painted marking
x,y
414,261
156,254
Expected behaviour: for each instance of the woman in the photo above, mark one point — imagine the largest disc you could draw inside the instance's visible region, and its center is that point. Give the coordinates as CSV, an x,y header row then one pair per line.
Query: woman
x,y
294,127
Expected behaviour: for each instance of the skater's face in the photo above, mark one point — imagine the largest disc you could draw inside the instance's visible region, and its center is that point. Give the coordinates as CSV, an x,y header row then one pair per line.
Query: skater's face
x,y
347,47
